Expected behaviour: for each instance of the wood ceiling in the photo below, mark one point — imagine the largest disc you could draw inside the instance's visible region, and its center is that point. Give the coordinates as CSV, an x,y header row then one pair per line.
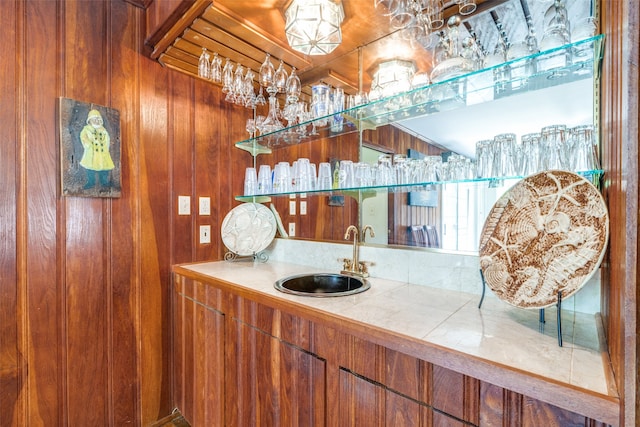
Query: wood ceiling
x,y
244,30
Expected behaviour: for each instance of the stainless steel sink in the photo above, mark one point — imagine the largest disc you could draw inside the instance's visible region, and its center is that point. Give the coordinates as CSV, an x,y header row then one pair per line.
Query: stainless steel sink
x,y
322,285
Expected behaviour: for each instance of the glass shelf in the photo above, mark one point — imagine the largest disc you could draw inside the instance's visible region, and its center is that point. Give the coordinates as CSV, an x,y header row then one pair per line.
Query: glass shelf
x,y
468,89
365,192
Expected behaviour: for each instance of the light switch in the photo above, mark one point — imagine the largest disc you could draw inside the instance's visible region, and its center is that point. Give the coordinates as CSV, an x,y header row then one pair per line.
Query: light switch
x,y
184,205
292,207
205,234
303,207
204,204
292,229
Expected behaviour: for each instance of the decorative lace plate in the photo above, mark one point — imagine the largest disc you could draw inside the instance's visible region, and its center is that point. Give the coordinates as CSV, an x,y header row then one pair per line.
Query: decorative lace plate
x,y
547,234
248,229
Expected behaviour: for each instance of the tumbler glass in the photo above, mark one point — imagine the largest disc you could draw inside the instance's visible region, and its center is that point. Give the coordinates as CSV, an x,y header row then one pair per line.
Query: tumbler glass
x,y
554,147
324,176
250,182
264,179
584,149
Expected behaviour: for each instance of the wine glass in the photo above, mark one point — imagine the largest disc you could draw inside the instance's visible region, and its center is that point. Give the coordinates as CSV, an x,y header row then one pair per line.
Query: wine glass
x,y
280,78
267,73
251,127
293,87
203,64
216,69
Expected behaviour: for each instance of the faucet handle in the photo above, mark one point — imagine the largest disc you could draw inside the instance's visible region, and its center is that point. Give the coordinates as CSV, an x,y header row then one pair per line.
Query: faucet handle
x,y
346,264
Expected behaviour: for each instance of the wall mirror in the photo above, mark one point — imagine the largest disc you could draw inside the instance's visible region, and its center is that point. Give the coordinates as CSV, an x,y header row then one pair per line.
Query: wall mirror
x,y
475,108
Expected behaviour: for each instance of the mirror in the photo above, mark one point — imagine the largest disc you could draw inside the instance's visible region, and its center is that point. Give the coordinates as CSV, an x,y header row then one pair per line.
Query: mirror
x,y
446,216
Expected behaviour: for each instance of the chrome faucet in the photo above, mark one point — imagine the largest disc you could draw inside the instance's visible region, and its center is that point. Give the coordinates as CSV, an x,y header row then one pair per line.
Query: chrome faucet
x,y
354,266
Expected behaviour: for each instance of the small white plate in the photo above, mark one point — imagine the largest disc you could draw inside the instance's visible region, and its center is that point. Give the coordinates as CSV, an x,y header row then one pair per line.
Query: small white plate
x,y
248,229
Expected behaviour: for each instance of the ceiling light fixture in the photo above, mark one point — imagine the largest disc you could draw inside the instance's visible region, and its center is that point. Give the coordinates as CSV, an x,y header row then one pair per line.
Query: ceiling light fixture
x,y
313,26
392,77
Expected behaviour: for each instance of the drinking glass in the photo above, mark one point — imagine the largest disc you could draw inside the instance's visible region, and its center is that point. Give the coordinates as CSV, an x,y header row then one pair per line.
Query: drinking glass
x,y
466,7
203,64
216,69
385,174
267,73
320,102
302,176
293,87
324,176
281,178
556,33
280,78
584,149
337,105
436,14
362,175
227,76
505,155
251,127
345,177
402,16
264,179
554,145
531,154
484,158
583,53
250,182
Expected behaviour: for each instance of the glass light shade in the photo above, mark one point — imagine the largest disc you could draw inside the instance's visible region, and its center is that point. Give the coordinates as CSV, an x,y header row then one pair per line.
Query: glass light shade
x,y
393,77
313,26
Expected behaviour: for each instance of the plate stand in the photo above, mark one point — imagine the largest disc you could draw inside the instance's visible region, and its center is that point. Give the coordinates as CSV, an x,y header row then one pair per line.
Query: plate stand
x,y
233,257
541,319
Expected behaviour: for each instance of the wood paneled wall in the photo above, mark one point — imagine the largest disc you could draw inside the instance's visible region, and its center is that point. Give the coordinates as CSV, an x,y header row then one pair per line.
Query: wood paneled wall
x,y
620,20
85,306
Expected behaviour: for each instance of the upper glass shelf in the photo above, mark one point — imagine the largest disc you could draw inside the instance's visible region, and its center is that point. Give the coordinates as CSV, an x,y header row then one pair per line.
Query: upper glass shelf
x,y
365,192
554,67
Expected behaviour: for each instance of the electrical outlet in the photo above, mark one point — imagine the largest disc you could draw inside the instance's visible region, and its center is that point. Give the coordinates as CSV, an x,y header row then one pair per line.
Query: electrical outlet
x,y
205,234
184,205
303,207
204,204
292,229
292,207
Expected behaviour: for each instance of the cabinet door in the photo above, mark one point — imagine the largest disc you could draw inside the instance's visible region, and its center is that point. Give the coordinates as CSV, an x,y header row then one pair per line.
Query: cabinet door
x,y
199,354
271,382
365,403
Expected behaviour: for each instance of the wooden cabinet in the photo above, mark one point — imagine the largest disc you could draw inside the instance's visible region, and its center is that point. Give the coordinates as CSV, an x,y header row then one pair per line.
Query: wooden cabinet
x,y
247,359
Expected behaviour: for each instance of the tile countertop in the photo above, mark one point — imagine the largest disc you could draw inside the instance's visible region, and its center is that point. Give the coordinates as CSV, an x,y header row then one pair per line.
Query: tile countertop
x,y
497,334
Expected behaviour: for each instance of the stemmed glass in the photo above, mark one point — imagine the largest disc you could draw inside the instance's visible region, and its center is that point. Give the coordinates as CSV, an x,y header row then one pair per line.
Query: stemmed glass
x,y
203,64
216,69
280,78
267,73
251,127
227,77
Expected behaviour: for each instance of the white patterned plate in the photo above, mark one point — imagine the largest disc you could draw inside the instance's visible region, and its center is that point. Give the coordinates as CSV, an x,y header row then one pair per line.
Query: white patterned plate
x,y
547,234
248,229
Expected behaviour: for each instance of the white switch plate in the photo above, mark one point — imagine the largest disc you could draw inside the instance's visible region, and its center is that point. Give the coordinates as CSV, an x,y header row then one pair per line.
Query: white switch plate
x,y
184,205
292,207
292,229
205,234
303,207
204,204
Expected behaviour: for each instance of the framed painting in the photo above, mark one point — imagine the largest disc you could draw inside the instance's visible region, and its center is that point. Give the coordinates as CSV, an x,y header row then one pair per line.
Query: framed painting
x,y
89,149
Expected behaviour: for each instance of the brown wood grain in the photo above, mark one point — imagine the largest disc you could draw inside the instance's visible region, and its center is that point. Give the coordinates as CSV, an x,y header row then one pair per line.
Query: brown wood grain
x,y
67,317
343,378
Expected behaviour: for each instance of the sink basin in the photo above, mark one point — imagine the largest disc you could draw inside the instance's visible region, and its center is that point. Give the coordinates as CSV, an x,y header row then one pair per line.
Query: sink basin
x,y
322,285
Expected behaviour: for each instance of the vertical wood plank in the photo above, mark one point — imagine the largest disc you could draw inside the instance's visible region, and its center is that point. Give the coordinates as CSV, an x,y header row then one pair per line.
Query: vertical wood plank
x,y
12,360
45,291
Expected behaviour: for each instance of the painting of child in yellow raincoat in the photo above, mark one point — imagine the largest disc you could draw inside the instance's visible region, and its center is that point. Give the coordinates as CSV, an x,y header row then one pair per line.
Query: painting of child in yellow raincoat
x,y
90,149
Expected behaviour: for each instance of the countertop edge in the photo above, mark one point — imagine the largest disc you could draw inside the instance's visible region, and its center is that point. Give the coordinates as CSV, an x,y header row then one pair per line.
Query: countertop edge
x,y
585,402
